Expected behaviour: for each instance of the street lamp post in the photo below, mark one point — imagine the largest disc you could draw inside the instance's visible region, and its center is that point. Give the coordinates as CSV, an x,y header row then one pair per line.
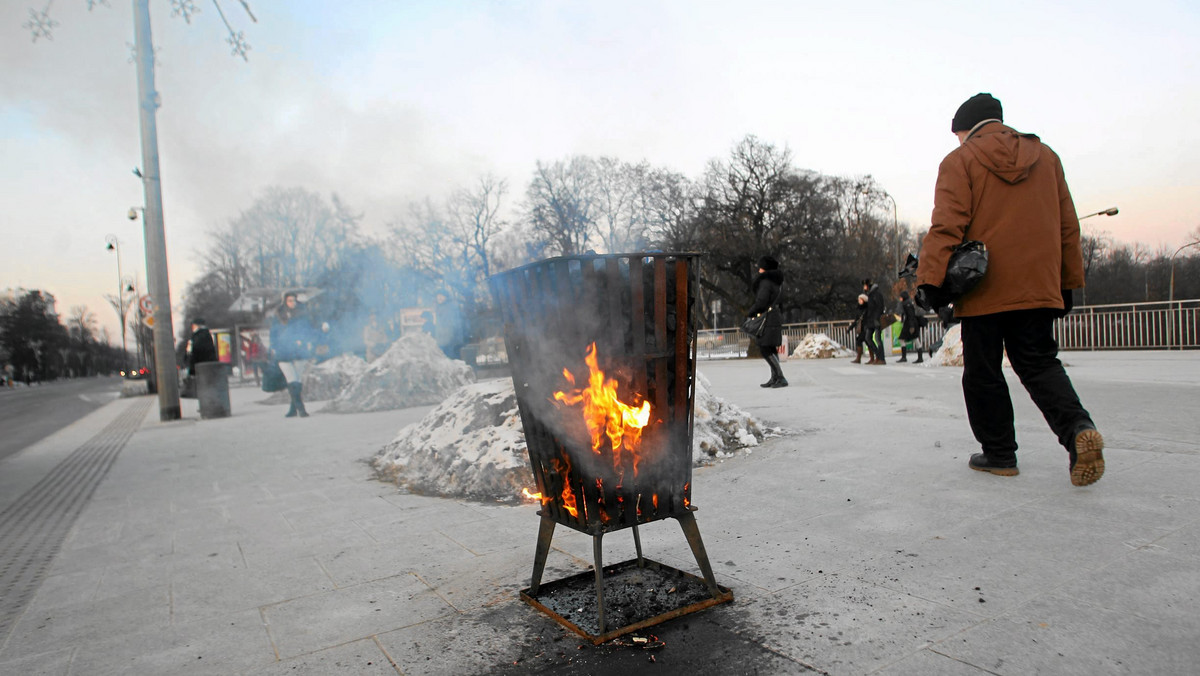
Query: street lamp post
x,y
1171,289
895,225
1111,211
896,229
114,244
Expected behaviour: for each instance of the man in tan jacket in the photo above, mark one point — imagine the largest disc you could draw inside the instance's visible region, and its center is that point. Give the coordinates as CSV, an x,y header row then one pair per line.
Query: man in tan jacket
x,y
1008,190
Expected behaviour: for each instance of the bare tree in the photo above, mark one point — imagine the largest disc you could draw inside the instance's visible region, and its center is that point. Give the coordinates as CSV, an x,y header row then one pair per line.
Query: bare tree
x,y
81,324
560,204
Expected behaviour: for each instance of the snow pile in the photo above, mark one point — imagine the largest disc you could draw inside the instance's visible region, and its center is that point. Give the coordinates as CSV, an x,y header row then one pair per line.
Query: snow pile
x,y
413,372
473,445
819,346
325,380
950,353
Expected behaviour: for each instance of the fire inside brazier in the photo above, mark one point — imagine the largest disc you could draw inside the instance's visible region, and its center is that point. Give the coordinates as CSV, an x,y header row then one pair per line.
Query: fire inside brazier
x,y
603,356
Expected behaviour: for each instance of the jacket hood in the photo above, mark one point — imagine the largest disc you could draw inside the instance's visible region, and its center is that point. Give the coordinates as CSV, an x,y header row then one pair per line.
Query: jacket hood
x,y
1005,152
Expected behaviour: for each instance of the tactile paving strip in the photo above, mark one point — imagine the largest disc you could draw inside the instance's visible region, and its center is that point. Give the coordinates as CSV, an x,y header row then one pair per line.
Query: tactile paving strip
x,y
33,527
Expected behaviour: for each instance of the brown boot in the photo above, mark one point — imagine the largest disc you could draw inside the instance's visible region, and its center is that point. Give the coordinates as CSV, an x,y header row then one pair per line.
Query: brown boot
x,y
857,356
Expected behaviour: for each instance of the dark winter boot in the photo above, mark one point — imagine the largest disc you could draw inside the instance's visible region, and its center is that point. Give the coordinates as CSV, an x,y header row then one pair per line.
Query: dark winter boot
x,y
292,396
297,387
777,379
920,357
903,354
857,355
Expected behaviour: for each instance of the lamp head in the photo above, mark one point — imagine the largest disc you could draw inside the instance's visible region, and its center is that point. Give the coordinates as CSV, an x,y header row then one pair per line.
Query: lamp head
x,y
109,246
132,214
1111,211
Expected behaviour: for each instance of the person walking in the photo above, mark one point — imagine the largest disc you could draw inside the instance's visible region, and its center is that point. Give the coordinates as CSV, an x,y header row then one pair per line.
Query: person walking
x,y
910,332
767,287
858,326
874,313
1007,189
291,341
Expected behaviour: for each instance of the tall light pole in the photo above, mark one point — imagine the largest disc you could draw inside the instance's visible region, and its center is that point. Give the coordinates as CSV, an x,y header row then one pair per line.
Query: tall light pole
x,y
896,229
1171,311
166,377
1111,211
114,244
895,225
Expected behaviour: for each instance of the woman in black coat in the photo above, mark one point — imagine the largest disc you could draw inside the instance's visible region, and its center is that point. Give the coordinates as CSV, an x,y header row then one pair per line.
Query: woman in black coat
x,y
767,287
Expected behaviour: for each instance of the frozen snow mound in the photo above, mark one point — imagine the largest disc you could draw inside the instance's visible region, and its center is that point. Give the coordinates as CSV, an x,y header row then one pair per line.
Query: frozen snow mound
x,y
819,346
473,446
951,351
413,372
325,380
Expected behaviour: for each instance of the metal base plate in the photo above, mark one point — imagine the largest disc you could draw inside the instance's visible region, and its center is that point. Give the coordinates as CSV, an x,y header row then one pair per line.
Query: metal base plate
x,y
634,597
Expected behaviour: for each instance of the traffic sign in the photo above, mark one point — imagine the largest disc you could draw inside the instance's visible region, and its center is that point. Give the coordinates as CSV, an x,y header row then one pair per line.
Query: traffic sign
x,y
146,304
148,320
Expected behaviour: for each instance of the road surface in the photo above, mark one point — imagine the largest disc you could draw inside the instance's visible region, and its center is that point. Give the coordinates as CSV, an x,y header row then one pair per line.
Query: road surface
x,y
29,414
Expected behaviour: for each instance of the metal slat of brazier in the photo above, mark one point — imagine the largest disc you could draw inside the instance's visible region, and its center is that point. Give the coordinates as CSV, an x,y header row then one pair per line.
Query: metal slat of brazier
x,y
636,311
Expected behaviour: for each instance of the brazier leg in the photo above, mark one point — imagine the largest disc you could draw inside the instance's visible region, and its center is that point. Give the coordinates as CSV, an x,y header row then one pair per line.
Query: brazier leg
x,y
637,544
545,534
688,522
598,554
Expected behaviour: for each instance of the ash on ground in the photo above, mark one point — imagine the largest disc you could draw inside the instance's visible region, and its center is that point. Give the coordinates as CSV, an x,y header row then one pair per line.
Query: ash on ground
x,y
325,380
413,372
473,445
819,346
631,595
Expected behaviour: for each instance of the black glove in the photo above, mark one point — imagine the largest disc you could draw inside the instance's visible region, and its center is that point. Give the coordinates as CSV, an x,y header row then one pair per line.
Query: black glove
x,y
930,297
1068,298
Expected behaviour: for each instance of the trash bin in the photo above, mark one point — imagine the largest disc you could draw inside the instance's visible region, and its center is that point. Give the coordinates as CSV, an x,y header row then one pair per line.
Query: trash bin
x,y
212,389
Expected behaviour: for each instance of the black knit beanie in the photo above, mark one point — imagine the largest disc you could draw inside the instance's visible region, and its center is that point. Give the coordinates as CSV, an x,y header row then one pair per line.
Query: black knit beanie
x,y
975,110
768,263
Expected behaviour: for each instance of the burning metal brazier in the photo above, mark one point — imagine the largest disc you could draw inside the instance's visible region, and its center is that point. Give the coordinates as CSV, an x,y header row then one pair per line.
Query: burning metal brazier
x,y
603,355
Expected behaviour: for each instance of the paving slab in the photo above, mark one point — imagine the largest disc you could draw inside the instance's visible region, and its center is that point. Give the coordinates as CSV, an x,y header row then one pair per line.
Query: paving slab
x,y
857,543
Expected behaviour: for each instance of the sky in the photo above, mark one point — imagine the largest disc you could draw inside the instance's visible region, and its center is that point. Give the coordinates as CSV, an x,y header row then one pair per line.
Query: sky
x,y
385,103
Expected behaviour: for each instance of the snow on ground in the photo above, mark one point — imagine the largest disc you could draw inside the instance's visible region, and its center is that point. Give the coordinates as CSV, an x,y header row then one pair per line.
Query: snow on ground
x,y
951,351
473,446
413,372
819,346
325,380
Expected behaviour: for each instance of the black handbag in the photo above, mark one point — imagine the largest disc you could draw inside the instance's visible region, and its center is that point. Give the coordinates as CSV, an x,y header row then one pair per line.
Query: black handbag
x,y
756,325
272,377
967,266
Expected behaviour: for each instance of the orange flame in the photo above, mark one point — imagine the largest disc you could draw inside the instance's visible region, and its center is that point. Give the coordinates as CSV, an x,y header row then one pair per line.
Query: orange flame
x,y
525,493
563,467
606,416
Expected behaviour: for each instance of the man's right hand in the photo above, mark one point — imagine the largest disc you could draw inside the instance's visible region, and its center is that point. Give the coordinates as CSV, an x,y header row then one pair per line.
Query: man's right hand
x,y
930,297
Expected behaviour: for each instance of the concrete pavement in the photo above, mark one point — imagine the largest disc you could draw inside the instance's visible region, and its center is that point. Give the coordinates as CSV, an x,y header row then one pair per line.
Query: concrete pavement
x,y
858,544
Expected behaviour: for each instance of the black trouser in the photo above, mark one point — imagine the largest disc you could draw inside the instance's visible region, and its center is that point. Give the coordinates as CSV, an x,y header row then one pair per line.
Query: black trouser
x,y
1028,336
875,341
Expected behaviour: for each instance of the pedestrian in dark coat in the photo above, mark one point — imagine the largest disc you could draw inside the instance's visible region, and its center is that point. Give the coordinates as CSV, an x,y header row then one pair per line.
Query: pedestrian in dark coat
x,y
875,305
1008,190
292,337
859,327
203,348
910,328
767,287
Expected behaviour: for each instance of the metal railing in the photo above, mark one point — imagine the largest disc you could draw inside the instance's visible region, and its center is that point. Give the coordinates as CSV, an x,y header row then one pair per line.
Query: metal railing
x,y
1129,326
